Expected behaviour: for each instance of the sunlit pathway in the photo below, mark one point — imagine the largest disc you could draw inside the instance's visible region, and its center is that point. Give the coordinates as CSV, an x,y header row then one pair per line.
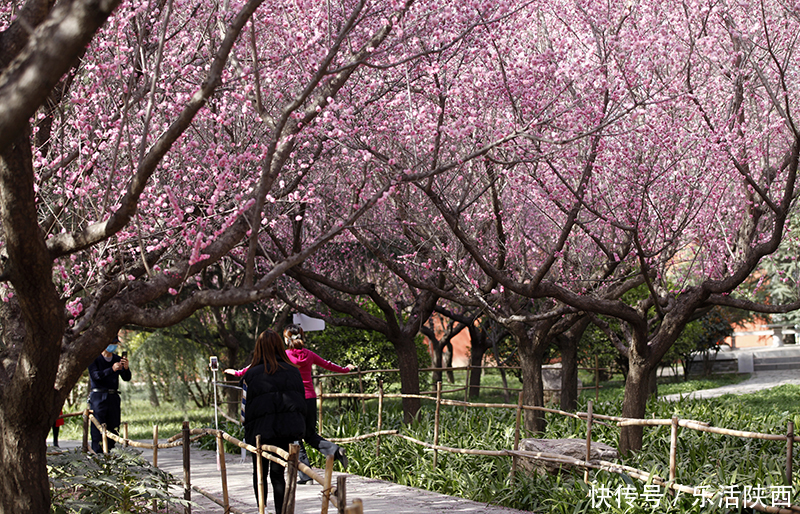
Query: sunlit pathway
x,y
758,380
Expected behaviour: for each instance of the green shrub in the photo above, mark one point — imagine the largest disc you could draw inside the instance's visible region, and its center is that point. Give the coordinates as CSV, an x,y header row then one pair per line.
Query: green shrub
x,y
120,481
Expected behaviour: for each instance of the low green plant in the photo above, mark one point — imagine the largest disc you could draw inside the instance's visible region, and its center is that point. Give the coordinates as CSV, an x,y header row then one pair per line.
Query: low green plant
x,y
120,481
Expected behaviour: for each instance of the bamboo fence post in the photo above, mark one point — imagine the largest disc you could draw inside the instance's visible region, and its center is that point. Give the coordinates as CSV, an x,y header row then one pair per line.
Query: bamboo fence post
x,y
356,508
260,476
319,407
291,479
155,458
436,423
596,378
326,486
125,433
361,390
517,430
380,418
466,384
223,473
789,451
673,449
105,438
589,414
155,446
85,443
187,483
341,493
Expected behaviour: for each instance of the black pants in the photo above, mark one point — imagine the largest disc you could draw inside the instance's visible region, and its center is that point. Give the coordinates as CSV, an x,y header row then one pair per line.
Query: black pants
x,y
275,472
313,439
106,408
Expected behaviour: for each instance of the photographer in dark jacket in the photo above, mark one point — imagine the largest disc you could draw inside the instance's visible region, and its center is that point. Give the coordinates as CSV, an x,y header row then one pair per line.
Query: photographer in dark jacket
x,y
275,407
104,375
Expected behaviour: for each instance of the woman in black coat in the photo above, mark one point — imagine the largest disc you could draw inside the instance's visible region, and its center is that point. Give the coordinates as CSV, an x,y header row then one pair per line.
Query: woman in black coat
x,y
275,407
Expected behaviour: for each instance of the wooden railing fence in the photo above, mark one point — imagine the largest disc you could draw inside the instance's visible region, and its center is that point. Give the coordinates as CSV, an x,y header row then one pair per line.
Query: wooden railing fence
x,y
360,374
590,418
330,495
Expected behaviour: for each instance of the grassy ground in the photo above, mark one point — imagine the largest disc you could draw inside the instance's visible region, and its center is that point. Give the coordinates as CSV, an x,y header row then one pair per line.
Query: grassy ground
x,y
141,416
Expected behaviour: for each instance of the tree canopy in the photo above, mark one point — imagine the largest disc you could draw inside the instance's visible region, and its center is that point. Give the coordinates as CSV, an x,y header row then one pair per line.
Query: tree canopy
x,y
533,159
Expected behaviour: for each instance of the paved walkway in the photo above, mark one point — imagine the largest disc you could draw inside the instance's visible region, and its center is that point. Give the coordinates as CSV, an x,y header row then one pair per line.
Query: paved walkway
x,y
758,380
378,496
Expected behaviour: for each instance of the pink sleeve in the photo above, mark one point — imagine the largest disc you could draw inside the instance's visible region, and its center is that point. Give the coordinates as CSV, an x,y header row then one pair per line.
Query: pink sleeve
x,y
240,372
319,361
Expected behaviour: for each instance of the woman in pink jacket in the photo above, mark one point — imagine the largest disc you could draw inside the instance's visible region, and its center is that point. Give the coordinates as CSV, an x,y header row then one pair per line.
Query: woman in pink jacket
x,y
304,358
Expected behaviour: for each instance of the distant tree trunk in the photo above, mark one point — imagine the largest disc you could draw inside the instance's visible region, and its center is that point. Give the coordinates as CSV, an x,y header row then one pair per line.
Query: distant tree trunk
x,y
437,361
568,347
232,395
439,343
652,381
409,376
151,386
532,345
447,362
479,344
495,337
437,351
231,347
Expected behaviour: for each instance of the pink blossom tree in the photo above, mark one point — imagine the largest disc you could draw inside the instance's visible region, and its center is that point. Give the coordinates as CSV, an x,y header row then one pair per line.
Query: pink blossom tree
x,y
682,177
144,148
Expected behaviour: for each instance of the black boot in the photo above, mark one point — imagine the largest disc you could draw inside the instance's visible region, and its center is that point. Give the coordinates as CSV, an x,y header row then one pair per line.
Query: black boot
x,y
341,457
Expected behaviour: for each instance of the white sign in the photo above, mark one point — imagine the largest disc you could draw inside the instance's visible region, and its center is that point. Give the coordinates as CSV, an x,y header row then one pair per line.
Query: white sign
x,y
307,323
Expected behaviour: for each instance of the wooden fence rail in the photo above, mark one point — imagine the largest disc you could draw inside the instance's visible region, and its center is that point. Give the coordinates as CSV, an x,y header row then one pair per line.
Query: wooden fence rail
x,y
675,423
590,418
360,374
289,460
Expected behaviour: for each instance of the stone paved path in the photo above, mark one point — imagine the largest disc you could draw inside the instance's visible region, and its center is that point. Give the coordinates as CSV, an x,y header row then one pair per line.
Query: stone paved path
x,y
758,380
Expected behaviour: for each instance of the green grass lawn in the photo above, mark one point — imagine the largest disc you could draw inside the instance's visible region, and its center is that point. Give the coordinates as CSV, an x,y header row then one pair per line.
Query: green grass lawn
x,y
141,416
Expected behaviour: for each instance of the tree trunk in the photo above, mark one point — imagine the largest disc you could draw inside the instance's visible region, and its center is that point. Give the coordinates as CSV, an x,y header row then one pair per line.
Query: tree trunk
x,y
475,374
409,376
568,346
531,353
151,385
437,358
652,383
569,374
479,343
447,360
23,461
634,404
533,391
28,400
496,353
232,395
